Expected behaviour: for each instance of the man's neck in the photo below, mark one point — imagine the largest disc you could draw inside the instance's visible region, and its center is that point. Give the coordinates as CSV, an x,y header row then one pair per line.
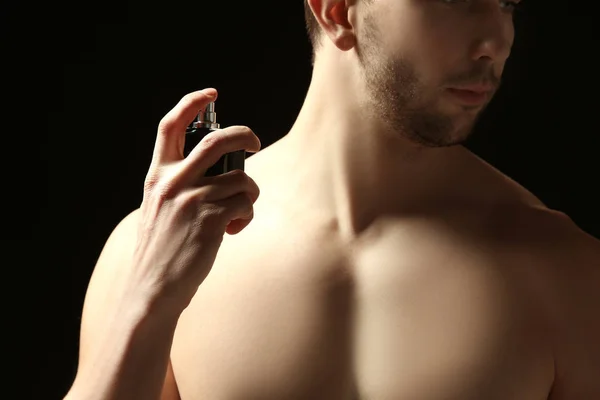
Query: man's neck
x,y
351,164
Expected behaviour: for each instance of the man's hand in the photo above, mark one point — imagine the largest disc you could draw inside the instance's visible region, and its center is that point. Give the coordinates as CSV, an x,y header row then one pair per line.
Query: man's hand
x,y
154,261
184,214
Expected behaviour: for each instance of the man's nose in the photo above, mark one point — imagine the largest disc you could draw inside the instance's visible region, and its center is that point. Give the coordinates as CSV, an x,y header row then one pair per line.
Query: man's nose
x,y
494,34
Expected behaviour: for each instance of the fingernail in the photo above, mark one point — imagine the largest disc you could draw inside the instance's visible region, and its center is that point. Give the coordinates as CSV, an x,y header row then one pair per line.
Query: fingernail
x,y
210,92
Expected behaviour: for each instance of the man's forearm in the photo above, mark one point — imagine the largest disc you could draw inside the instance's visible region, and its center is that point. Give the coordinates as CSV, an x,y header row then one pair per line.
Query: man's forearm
x,y
130,359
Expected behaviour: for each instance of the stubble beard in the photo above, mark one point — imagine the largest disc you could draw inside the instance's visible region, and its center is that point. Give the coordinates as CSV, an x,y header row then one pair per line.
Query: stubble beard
x,y
395,95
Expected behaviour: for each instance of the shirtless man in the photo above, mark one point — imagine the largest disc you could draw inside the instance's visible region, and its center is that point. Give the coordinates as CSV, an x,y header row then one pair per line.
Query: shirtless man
x,y
383,260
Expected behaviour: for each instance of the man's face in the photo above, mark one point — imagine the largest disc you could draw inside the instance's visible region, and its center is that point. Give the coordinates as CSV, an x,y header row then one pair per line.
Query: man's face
x,y
412,51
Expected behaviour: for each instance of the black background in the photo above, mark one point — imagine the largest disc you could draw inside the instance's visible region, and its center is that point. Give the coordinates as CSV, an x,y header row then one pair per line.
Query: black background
x,y
86,84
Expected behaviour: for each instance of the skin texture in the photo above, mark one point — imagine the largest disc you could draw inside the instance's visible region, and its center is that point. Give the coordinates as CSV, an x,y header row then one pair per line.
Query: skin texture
x,y
410,52
383,259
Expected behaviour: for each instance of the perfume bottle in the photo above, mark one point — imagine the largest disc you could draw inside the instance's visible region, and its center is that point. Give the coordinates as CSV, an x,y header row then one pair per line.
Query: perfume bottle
x,y
206,122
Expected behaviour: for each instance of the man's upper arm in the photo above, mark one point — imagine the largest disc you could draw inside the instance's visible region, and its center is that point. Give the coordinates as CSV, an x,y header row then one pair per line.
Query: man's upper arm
x,y
170,391
574,293
115,256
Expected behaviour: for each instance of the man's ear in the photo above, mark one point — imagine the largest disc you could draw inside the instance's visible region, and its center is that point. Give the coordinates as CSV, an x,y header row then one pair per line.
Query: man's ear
x,y
334,17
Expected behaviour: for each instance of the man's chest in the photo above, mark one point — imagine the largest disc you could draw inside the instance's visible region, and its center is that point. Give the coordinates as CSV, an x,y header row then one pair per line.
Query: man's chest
x,y
271,322
309,319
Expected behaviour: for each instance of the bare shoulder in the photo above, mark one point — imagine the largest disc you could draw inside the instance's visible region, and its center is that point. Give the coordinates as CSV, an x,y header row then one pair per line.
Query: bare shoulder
x,y
564,266
555,265
549,235
515,217
560,260
504,292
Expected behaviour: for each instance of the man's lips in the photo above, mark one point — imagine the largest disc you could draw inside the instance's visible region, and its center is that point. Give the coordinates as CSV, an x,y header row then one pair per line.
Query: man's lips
x,y
470,97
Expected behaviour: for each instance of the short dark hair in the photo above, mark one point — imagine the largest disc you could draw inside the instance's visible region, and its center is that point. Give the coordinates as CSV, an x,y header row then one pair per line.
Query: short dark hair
x,y
312,29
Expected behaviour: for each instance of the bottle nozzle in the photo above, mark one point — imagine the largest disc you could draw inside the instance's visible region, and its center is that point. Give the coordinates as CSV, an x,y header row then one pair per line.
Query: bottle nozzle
x,y
207,118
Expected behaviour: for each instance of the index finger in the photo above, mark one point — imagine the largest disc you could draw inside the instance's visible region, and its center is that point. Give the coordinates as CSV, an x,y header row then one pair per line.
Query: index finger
x,y
171,129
